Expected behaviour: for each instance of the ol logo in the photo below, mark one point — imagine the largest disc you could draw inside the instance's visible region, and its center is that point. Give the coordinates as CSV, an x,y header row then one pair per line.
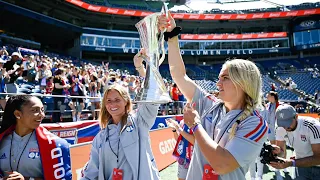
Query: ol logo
x,y
34,155
303,138
129,127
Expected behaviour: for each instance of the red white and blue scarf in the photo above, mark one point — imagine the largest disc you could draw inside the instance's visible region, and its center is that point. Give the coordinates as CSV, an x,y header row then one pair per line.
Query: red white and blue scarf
x,y
54,154
183,149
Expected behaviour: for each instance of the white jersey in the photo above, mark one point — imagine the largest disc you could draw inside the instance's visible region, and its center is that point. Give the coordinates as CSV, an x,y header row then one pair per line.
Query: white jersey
x,y
301,139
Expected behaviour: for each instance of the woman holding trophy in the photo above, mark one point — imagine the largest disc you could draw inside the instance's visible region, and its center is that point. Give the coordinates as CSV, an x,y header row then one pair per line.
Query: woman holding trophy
x,y
228,132
122,148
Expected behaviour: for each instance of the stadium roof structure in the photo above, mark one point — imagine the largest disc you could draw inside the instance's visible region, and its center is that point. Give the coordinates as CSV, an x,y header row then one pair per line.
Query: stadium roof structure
x,y
207,5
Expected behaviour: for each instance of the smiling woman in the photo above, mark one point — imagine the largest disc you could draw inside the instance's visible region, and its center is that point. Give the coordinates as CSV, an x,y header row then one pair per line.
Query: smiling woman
x,y
220,125
122,150
25,144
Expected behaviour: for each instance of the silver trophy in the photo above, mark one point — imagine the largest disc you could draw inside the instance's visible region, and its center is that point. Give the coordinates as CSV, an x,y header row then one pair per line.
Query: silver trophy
x,y
153,89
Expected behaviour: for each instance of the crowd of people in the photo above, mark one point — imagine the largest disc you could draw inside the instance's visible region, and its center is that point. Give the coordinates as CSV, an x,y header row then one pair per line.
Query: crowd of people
x,y
223,134
85,82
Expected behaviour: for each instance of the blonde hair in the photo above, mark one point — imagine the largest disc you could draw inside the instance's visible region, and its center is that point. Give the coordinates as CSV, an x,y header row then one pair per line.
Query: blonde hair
x,y
105,116
246,75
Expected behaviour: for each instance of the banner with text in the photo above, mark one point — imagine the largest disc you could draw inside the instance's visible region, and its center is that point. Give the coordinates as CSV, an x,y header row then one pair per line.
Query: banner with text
x,y
194,52
190,16
233,36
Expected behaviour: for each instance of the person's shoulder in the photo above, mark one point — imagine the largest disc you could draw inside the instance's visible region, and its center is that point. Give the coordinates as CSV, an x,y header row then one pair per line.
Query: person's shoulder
x,y
310,124
309,120
101,133
254,127
254,118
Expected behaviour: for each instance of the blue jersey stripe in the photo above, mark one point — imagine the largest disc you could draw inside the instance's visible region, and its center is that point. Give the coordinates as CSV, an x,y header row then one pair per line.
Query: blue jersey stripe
x,y
263,127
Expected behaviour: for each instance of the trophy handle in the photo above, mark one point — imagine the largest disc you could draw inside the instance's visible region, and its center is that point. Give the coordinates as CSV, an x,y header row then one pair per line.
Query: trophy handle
x,y
161,40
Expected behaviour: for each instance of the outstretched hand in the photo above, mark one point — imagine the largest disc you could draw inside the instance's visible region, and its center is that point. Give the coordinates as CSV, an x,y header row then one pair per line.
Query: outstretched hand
x,y
190,115
172,123
137,59
166,23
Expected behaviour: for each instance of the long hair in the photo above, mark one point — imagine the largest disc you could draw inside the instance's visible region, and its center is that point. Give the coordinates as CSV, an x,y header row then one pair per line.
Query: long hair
x,y
246,75
13,103
275,95
105,116
276,98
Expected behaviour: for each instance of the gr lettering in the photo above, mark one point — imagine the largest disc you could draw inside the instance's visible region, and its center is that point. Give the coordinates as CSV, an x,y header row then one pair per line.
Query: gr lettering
x,y
59,171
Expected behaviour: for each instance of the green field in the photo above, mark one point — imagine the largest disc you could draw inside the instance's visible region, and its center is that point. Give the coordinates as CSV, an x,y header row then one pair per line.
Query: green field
x,y
170,173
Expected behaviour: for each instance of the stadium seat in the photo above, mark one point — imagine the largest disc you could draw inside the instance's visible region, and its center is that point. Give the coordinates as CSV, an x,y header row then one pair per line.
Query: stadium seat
x,y
304,81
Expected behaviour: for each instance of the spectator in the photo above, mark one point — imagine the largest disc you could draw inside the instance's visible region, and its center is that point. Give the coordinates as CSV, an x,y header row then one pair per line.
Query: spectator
x,y
175,98
317,97
300,98
42,75
104,81
132,87
50,85
293,85
2,84
181,100
77,89
124,82
4,52
59,85
12,67
94,88
273,87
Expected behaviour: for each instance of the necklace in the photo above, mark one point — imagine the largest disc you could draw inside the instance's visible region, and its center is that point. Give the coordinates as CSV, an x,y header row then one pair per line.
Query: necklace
x,y
11,155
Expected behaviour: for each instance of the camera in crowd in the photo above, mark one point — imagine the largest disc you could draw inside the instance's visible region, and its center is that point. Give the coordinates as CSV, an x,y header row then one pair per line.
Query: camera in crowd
x,y
266,154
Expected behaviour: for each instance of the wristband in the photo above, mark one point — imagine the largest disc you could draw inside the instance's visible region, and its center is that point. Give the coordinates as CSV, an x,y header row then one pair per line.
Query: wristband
x,y
175,32
195,126
293,163
140,67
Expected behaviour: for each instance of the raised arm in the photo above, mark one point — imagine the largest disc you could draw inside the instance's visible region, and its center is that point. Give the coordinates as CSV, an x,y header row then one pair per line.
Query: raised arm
x,y
137,60
176,65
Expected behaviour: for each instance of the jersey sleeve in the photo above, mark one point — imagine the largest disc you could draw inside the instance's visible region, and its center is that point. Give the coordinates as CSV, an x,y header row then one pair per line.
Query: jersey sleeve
x,y
280,134
314,130
246,145
91,169
203,100
147,114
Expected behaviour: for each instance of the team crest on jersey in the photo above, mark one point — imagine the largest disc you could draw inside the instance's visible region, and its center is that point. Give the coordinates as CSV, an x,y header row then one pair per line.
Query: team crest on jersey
x,y
209,117
34,153
129,127
3,156
303,138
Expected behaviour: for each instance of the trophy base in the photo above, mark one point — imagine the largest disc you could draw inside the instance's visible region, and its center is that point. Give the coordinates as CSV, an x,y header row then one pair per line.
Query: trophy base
x,y
163,99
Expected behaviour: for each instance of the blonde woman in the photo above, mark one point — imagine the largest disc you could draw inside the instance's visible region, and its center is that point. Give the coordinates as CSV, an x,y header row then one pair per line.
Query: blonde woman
x,y
229,134
122,148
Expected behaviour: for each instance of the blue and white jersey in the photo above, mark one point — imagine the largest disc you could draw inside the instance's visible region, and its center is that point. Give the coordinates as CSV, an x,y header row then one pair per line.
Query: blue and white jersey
x,y
244,147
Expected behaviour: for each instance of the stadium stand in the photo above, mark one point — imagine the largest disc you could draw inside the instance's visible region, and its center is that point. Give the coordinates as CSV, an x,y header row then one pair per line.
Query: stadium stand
x,y
304,81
